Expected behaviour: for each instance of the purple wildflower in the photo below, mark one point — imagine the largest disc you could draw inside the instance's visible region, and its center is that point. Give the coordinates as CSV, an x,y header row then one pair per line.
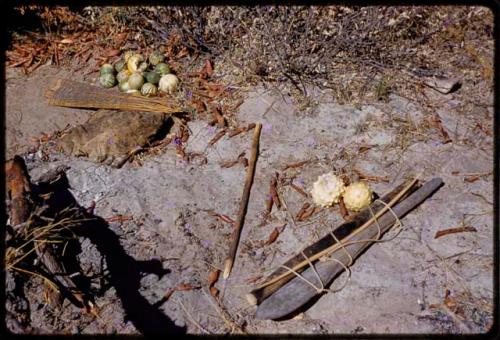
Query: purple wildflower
x,y
311,142
177,141
267,128
206,243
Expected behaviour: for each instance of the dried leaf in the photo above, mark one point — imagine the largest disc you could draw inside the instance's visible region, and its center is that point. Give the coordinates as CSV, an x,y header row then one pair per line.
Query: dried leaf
x,y
274,193
218,136
471,179
169,293
213,277
228,164
308,213
302,210
186,286
272,237
295,165
214,291
449,301
454,231
221,121
112,52
236,132
364,148
299,190
208,67
67,41
343,210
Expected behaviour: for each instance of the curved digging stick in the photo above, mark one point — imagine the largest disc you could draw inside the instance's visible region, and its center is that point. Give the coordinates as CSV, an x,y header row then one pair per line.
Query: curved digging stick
x,y
327,244
297,292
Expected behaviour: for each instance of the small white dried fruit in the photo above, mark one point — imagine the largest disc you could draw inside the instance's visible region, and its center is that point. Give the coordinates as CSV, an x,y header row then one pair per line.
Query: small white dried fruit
x,y
357,196
327,189
168,83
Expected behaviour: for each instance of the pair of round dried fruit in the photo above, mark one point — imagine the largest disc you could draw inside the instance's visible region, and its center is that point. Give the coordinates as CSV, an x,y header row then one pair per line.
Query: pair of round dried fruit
x,y
329,188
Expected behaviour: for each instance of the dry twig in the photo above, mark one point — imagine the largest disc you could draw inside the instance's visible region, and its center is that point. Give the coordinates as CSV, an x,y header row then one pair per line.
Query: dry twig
x,y
235,237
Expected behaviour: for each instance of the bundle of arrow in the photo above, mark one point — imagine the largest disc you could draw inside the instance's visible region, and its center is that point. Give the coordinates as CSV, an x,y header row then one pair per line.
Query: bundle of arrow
x,y
305,275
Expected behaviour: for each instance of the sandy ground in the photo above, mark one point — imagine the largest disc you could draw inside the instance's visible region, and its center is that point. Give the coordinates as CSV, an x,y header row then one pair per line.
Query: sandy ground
x,y
396,287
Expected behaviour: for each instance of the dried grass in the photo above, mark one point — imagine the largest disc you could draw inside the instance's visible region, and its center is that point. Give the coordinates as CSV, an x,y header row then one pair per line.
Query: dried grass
x,y
359,54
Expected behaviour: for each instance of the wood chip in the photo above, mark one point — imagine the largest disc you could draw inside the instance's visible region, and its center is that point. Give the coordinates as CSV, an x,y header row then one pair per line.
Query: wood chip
x,y
454,231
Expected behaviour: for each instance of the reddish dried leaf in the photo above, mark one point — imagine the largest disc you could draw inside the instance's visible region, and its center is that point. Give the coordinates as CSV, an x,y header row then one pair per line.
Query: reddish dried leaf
x,y
302,210
243,161
454,231
226,219
221,121
273,236
365,148
295,165
169,293
454,173
119,218
471,179
120,36
214,291
213,277
343,210
208,67
236,132
449,301
371,178
299,190
308,213
185,287
274,193
228,164
218,136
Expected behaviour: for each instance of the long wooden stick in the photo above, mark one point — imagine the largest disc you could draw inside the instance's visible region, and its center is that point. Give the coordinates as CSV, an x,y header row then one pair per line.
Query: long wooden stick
x,y
274,283
235,237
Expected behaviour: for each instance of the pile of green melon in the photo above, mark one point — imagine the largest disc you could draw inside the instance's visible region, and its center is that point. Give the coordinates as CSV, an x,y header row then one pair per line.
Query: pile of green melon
x,y
134,74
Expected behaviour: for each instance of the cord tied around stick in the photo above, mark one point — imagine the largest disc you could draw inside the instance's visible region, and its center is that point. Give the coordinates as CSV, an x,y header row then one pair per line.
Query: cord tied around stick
x,y
320,288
